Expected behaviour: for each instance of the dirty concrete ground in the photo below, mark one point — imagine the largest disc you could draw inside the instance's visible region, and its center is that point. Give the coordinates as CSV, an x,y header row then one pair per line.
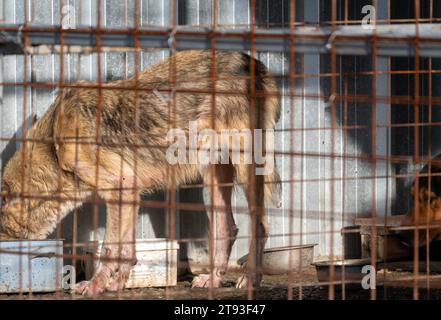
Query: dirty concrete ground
x,y
396,284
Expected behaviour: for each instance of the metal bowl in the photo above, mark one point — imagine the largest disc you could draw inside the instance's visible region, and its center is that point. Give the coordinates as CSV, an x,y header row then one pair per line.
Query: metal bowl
x,y
347,271
281,260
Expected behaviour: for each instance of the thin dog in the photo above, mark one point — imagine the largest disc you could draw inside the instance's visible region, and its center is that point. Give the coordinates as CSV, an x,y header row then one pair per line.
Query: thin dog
x,y
109,140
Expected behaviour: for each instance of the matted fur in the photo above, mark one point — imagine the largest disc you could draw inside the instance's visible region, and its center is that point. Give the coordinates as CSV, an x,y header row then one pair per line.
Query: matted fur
x,y
49,167
113,140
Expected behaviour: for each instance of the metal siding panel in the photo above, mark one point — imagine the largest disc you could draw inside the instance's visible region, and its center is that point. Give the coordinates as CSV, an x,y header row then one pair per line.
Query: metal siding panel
x,y
18,11
384,186
205,12
152,13
241,13
191,12
275,63
45,12
87,12
313,110
155,14
195,224
315,202
8,119
225,14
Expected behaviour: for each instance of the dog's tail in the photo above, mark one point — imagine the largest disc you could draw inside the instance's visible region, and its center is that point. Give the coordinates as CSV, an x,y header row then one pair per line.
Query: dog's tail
x,y
270,114
267,107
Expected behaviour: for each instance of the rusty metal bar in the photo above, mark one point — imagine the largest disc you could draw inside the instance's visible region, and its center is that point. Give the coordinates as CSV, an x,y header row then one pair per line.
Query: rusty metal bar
x,y
392,40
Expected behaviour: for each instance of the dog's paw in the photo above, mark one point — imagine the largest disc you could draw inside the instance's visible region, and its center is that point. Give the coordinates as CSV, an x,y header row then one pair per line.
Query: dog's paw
x,y
242,282
118,281
94,286
206,281
89,288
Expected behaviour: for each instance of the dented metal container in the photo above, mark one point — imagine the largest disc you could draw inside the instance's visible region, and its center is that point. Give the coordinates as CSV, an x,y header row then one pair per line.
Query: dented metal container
x,y
282,260
31,266
156,265
345,271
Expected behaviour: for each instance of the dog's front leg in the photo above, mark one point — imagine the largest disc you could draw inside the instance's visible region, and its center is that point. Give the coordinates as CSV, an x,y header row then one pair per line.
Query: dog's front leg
x,y
118,252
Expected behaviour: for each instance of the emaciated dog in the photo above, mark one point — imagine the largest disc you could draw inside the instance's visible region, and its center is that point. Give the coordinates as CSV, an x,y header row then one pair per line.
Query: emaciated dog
x,y
110,140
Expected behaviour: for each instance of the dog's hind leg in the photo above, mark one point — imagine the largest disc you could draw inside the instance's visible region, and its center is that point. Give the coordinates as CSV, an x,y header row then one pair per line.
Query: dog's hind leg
x,y
258,246
226,230
259,219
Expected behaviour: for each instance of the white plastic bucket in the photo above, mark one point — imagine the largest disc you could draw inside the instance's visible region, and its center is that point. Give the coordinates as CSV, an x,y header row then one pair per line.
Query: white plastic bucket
x,y
156,266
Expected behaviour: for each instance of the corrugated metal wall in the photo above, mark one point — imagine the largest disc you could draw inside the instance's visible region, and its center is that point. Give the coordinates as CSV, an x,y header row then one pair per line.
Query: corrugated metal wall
x,y
313,217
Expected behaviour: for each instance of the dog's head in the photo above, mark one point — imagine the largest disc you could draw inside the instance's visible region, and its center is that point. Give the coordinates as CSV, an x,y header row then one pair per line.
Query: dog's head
x,y
29,178
424,219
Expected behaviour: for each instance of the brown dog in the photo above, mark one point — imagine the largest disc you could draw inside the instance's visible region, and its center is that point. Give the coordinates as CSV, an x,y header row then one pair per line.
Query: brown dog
x,y
426,209
112,140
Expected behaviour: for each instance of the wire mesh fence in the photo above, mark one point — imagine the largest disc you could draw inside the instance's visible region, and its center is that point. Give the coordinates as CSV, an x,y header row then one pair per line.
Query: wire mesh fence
x,y
225,127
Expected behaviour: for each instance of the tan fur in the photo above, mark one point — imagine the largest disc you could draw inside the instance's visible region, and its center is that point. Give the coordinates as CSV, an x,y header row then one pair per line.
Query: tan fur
x,y
64,160
429,215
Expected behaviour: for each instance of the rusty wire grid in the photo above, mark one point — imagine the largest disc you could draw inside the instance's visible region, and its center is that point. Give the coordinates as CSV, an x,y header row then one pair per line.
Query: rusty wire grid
x,y
353,145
